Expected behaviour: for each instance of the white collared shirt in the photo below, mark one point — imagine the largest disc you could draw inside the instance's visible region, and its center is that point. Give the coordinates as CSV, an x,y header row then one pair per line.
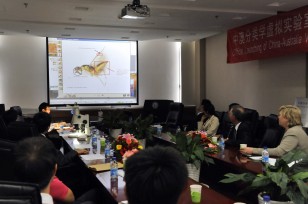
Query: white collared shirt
x,y
237,125
46,198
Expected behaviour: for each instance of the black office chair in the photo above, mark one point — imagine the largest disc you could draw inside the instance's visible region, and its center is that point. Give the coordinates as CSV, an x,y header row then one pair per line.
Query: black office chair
x,y
19,130
174,117
19,113
189,119
7,160
2,109
273,132
220,115
3,129
225,125
252,116
157,108
19,193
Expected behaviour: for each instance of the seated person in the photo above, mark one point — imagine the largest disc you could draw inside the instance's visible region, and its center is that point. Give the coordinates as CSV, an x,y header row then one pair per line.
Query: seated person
x,y
42,121
155,175
225,124
294,137
9,116
210,122
36,162
44,107
231,105
240,132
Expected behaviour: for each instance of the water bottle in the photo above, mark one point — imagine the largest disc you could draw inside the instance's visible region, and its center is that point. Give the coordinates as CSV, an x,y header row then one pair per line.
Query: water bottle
x,y
266,199
94,143
107,151
265,155
114,176
178,130
113,168
111,153
222,143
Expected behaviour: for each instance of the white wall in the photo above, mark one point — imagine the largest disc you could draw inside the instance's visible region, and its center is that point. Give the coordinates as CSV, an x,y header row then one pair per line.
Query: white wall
x,y
189,85
263,85
159,63
23,71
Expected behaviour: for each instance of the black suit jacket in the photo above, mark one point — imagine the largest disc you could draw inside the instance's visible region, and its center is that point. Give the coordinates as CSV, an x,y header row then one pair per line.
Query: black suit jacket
x,y
62,159
243,135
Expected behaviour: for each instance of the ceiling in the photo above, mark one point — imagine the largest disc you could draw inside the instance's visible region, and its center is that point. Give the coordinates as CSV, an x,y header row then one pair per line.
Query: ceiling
x,y
175,20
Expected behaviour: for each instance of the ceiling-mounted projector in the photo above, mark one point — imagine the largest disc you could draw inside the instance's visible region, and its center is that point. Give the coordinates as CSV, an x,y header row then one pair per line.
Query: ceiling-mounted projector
x,y
135,11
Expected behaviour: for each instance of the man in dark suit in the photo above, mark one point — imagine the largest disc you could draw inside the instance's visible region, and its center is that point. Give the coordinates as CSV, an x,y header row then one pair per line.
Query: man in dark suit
x,y
241,131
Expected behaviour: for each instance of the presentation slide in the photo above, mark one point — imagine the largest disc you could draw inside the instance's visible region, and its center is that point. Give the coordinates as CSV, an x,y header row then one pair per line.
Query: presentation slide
x,y
92,72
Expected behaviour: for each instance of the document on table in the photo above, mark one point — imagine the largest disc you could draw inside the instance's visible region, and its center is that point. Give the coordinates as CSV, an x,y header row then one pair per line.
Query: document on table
x,y
271,161
92,156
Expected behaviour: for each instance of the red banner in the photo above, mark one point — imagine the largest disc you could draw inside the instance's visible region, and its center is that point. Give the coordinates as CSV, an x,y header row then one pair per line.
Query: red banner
x,y
279,35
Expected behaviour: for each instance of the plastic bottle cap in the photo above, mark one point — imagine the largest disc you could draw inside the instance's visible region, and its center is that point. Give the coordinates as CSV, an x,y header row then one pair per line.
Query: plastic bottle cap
x,y
266,198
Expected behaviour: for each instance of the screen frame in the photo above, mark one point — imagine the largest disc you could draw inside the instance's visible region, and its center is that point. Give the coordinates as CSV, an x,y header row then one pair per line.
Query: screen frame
x,y
93,104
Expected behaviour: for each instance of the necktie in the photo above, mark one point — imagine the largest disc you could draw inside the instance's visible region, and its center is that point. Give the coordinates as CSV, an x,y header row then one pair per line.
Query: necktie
x,y
231,130
234,133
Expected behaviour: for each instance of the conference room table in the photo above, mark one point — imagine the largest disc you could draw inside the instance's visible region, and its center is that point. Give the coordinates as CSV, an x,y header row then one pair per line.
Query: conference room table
x,y
229,160
209,196
230,157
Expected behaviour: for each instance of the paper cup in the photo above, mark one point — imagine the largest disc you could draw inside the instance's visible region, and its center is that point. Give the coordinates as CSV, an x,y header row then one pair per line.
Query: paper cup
x,y
214,139
242,146
195,193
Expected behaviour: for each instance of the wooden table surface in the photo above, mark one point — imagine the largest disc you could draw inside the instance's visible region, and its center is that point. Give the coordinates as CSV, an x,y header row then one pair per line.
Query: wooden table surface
x,y
209,196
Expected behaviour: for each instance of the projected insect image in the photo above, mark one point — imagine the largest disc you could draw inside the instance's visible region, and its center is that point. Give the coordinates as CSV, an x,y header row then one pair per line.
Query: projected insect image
x,y
98,66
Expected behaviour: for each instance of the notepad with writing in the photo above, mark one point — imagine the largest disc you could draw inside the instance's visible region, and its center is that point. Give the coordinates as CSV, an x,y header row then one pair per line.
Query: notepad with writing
x,y
103,167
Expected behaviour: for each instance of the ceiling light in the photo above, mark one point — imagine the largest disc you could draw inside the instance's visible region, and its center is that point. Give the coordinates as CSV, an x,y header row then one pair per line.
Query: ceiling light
x,y
135,11
239,18
164,15
75,19
276,4
69,28
81,8
134,31
65,35
149,23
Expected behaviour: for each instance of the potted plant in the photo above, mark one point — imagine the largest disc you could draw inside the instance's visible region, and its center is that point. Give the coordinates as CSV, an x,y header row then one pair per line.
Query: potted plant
x,y
140,128
193,151
113,121
285,181
125,145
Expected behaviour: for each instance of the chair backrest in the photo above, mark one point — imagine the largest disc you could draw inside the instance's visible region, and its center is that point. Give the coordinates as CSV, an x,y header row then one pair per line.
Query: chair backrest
x,y
2,109
220,115
273,132
3,129
17,109
19,130
225,125
18,192
7,160
189,119
158,108
252,116
175,114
